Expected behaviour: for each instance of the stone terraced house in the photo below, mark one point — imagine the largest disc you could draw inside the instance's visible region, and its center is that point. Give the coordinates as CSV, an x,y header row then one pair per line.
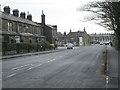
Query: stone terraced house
x,y
17,28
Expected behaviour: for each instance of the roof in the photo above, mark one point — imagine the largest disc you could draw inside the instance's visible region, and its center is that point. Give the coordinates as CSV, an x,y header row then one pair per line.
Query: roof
x,y
59,34
18,19
98,35
79,33
51,26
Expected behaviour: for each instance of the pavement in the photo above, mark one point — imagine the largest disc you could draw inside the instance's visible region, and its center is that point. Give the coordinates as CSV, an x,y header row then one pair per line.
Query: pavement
x,y
112,56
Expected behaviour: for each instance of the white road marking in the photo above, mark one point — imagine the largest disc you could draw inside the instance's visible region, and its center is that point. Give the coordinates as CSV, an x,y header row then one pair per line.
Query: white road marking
x,y
51,60
29,68
11,75
34,67
21,66
107,79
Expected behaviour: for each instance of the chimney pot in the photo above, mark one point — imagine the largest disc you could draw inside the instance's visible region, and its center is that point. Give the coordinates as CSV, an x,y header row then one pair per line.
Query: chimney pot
x,y
29,17
16,12
22,14
7,9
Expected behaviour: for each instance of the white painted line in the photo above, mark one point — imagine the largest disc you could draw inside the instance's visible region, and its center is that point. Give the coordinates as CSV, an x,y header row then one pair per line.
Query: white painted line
x,y
107,79
11,75
34,67
29,68
20,67
51,60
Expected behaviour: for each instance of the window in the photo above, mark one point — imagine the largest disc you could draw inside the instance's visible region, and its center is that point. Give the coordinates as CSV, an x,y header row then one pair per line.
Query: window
x,y
18,28
10,26
30,41
12,41
26,28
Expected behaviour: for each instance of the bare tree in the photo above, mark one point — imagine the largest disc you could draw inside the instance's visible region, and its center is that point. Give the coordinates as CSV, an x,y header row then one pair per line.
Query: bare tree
x,y
108,15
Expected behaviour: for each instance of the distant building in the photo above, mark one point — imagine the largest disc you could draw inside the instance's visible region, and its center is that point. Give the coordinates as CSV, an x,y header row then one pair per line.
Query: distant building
x,y
101,38
79,38
61,39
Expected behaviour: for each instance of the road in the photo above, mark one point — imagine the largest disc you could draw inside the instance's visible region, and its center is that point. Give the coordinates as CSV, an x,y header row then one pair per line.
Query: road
x,y
76,68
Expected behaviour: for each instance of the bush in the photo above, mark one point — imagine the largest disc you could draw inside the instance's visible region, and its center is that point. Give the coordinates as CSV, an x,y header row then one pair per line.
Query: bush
x,y
32,46
8,46
22,46
43,45
56,45
27,47
52,46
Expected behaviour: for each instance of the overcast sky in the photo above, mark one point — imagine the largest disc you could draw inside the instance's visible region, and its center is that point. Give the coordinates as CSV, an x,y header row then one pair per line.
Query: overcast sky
x,y
62,13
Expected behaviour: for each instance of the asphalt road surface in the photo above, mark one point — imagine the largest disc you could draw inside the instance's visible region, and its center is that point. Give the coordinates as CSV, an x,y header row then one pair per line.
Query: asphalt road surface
x,y
76,68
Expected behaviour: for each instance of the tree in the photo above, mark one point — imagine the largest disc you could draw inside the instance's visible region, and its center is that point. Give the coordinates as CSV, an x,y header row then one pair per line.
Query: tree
x,y
108,15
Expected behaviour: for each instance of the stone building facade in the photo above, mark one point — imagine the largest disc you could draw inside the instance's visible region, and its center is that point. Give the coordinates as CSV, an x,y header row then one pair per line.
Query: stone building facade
x,y
61,39
79,38
19,29
101,38
49,31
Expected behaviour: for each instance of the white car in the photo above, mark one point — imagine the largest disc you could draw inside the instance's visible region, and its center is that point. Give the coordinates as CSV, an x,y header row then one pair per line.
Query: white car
x,y
69,46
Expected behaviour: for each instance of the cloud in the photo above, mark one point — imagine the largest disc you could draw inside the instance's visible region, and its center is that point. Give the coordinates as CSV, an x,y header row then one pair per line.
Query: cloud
x,y
60,12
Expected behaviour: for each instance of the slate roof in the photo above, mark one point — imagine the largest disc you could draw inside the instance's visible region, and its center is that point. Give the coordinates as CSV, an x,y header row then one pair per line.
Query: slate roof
x,y
98,35
59,34
18,19
51,26
79,33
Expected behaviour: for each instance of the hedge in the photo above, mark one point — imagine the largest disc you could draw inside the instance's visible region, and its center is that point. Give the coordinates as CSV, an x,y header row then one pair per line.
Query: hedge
x,y
27,47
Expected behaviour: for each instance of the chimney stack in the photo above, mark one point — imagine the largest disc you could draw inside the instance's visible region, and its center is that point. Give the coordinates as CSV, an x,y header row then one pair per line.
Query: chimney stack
x,y
22,15
7,9
29,17
15,12
43,18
